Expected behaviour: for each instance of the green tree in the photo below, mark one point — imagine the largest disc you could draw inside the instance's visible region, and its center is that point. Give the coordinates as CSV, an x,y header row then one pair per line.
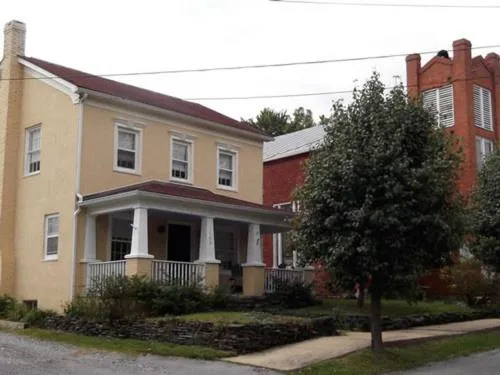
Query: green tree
x,y
485,217
380,197
277,123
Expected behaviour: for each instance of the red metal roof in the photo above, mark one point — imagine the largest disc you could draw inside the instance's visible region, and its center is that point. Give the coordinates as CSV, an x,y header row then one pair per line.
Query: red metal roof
x,y
137,94
177,190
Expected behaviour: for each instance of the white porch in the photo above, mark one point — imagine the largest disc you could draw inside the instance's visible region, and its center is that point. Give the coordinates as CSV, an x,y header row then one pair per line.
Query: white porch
x,y
177,239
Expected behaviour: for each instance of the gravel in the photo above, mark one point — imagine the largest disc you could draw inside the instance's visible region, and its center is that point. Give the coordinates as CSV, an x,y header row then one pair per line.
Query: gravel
x,y
21,355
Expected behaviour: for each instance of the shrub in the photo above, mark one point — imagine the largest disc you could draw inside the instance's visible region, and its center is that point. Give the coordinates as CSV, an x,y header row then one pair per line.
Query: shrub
x,y
36,317
6,304
291,294
469,281
178,300
220,297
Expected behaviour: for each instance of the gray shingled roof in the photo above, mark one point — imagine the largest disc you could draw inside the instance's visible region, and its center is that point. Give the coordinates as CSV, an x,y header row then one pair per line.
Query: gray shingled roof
x,y
295,143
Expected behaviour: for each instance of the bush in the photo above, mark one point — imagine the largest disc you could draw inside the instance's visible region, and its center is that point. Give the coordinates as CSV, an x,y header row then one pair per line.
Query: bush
x,y
6,305
220,297
291,294
470,282
36,318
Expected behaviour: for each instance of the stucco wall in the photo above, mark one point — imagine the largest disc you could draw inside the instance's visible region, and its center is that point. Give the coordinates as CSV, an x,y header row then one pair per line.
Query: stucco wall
x,y
50,191
98,154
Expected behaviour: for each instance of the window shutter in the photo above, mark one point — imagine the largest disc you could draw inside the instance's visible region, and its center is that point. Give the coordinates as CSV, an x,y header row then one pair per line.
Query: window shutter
x,y
477,106
446,117
429,99
479,158
487,120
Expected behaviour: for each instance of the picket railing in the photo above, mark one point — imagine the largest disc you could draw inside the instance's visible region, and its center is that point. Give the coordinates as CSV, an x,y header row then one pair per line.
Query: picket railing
x,y
274,275
178,273
100,270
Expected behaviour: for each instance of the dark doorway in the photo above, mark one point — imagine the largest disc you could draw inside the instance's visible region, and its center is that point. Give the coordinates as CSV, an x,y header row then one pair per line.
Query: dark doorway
x,y
179,243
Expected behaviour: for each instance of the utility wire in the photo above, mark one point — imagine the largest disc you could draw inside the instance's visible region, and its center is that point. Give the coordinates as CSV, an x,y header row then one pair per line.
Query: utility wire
x,y
340,92
240,67
389,5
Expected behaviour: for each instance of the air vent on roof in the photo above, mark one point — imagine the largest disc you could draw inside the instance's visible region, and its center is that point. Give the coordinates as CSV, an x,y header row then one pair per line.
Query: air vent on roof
x,y
443,53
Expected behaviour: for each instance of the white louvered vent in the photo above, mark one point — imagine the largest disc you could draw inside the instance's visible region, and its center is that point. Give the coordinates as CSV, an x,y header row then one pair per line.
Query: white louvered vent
x,y
440,101
482,108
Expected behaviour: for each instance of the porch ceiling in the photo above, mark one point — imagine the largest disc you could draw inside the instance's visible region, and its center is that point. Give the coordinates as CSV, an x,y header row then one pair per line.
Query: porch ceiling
x,y
187,200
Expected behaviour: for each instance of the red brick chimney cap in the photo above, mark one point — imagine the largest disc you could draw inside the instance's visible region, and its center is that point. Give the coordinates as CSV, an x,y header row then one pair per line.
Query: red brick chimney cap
x,y
461,42
413,56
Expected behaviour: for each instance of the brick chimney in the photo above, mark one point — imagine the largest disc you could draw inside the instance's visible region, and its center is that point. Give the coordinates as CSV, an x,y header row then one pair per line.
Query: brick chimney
x,y
413,64
462,58
11,92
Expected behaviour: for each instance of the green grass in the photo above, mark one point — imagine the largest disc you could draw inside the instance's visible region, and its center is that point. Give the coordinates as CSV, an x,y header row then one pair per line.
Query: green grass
x,y
389,308
127,346
405,357
236,317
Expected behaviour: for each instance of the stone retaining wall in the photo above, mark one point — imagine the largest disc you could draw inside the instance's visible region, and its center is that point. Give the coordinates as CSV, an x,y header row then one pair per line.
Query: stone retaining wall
x,y
362,322
236,338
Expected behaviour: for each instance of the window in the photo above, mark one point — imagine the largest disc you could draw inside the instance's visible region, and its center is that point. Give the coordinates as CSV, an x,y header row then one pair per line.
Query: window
x,y
226,169
121,238
181,160
440,101
225,249
482,108
484,148
51,236
127,152
33,147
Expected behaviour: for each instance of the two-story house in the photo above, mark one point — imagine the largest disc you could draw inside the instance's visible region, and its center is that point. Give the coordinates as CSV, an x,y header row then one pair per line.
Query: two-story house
x,y
99,177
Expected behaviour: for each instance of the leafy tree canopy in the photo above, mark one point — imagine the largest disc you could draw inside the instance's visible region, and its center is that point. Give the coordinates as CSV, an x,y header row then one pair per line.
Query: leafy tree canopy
x,y
485,217
380,196
277,123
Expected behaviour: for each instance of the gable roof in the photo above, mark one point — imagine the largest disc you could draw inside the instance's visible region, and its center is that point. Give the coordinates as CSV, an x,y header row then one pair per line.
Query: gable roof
x,y
137,94
178,190
295,143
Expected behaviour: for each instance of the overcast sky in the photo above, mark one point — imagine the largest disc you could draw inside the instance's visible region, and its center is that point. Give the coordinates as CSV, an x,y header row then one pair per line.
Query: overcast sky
x,y
136,36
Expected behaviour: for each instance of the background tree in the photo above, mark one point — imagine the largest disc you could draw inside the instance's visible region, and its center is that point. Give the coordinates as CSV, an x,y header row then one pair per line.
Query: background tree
x,y
380,196
485,217
278,123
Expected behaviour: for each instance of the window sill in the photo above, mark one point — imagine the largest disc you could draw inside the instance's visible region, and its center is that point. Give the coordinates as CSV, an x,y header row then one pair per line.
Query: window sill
x,y
127,171
180,180
31,174
486,130
53,258
227,188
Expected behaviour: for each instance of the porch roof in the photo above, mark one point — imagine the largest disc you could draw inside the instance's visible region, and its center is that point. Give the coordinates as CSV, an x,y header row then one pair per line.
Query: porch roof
x,y
177,190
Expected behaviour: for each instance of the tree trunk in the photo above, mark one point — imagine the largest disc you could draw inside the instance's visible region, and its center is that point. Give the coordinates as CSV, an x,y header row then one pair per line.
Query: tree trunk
x,y
361,297
376,322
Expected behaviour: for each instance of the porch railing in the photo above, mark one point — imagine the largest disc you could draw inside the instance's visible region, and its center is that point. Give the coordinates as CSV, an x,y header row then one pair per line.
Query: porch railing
x,y
100,270
178,273
274,275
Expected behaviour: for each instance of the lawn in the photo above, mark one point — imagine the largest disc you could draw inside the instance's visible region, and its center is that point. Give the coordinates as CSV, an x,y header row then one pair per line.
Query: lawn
x,y
236,317
127,346
402,358
389,308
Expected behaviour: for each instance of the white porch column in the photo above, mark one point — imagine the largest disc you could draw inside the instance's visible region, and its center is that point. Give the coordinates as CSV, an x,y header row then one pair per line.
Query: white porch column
x,y
139,246
207,241
254,246
275,250
90,239
280,249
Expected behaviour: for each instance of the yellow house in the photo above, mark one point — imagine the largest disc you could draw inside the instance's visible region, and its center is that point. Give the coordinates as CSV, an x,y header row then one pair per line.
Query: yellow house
x,y
98,177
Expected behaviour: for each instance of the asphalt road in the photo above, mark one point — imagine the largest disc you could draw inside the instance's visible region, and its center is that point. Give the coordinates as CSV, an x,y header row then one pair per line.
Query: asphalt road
x,y
25,356
487,363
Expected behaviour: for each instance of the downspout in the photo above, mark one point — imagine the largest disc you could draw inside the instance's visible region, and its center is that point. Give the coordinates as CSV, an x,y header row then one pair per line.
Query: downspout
x,y
79,141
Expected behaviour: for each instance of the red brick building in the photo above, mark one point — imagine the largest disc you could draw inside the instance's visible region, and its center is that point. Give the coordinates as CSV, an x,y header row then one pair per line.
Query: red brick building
x,y
461,89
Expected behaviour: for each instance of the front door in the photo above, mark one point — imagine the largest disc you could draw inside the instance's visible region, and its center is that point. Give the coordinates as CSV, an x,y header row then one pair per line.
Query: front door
x,y
179,243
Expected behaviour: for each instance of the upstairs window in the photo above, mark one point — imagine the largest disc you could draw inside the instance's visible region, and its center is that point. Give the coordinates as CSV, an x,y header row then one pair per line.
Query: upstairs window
x,y
51,236
181,160
226,170
33,147
482,108
127,142
440,102
484,148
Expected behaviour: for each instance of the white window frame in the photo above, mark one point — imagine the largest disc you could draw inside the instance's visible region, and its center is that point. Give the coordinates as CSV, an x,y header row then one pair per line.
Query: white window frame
x,y
481,154
234,153
437,90
482,91
278,237
190,162
27,151
119,126
51,235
